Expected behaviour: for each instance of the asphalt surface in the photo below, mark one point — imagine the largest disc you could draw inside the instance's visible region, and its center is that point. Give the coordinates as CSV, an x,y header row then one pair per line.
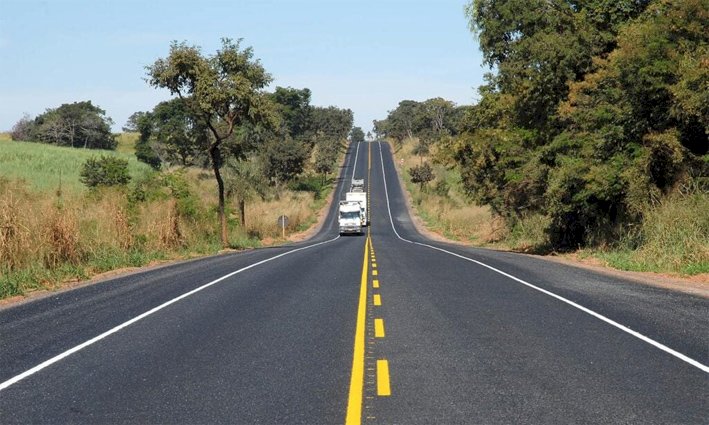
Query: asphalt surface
x,y
268,336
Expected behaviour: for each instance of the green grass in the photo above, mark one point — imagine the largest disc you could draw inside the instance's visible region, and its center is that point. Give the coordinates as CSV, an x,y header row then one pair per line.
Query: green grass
x,y
674,237
43,166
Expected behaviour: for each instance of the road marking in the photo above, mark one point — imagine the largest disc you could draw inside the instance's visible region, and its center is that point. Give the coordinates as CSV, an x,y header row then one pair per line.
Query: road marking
x,y
383,387
377,300
123,325
354,402
374,265
599,316
379,328
374,273
375,283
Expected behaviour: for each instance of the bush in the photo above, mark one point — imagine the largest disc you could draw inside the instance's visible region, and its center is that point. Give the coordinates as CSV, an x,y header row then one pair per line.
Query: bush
x,y
105,171
421,174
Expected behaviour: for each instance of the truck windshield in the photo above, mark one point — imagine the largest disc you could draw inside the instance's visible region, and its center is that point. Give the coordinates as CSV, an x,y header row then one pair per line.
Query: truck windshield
x,y
349,215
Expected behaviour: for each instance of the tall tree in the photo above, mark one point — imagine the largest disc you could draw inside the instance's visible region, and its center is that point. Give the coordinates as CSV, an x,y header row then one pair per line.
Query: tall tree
x,y
294,107
224,90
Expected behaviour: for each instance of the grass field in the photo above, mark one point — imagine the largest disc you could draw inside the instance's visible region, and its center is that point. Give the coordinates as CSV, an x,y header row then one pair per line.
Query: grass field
x,y
45,167
47,239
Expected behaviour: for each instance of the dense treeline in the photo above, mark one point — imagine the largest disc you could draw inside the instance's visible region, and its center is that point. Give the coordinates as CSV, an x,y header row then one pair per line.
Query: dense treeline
x,y
78,125
595,112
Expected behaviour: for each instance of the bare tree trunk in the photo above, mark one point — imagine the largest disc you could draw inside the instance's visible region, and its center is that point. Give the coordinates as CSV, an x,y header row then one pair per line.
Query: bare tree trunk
x,y
214,155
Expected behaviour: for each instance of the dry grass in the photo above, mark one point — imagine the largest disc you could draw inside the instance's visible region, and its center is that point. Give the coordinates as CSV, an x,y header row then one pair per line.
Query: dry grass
x,y
262,216
447,213
674,237
15,228
49,236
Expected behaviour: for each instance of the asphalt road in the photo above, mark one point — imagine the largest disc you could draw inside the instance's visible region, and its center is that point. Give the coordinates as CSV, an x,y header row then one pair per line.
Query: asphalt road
x,y
386,328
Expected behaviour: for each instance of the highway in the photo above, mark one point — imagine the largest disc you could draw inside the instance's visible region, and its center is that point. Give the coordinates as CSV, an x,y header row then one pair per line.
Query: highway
x,y
385,328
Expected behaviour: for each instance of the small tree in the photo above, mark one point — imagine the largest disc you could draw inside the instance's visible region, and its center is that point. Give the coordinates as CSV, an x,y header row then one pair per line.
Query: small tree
x,y
22,130
421,174
105,171
224,91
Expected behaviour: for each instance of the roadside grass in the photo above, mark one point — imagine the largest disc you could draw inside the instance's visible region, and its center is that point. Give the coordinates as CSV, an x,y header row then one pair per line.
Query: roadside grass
x,y
673,238
48,168
442,206
48,238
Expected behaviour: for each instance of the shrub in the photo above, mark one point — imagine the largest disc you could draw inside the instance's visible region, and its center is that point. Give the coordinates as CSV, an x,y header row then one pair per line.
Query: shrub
x,y
421,174
105,171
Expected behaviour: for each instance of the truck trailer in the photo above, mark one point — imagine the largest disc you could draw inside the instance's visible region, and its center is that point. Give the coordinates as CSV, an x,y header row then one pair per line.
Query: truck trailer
x,y
361,198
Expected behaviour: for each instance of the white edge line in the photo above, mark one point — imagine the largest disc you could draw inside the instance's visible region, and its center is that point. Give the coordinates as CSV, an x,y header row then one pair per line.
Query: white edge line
x,y
95,339
611,322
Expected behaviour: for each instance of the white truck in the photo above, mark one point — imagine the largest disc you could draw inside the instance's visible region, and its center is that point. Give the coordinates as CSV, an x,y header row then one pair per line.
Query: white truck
x,y
350,218
357,184
359,196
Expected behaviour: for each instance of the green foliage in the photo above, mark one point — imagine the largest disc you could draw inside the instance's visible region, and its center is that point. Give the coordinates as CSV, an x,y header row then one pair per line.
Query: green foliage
x,y
310,183
133,123
187,204
284,160
78,125
326,156
421,174
105,170
429,121
331,123
356,135
176,135
294,108
597,110
223,91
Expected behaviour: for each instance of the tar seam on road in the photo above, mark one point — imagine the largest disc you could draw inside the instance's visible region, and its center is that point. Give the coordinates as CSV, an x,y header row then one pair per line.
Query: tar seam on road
x,y
354,401
611,322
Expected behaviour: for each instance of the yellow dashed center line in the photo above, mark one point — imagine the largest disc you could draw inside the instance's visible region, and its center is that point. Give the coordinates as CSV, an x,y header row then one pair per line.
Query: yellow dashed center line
x,y
383,387
374,273
375,283
377,300
379,328
354,402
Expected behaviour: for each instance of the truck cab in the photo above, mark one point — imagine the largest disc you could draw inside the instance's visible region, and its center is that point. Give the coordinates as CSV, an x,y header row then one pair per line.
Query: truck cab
x,y
350,218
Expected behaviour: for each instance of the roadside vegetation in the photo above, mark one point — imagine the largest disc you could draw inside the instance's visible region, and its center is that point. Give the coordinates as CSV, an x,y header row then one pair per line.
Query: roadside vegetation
x,y
187,178
590,136
51,233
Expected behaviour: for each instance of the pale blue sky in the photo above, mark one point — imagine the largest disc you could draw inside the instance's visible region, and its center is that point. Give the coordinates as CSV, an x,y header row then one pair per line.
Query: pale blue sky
x,y
363,55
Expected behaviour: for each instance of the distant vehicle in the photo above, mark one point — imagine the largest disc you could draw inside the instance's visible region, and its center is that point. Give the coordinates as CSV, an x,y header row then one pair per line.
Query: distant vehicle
x,y
360,197
357,185
350,218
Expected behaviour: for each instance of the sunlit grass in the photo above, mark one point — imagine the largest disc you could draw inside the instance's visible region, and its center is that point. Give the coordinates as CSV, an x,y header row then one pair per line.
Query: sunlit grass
x,y
48,168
